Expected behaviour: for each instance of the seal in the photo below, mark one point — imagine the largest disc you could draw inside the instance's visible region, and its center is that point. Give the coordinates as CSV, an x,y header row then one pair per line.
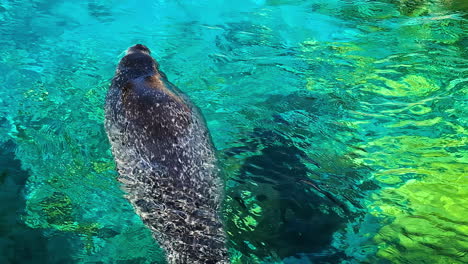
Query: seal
x,y
165,160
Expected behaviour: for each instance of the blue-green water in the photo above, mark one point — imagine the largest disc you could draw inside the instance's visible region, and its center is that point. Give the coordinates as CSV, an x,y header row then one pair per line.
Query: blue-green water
x,y
340,126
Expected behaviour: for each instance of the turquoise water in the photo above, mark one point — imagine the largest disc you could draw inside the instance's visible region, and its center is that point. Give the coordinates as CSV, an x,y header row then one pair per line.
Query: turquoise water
x,y
340,126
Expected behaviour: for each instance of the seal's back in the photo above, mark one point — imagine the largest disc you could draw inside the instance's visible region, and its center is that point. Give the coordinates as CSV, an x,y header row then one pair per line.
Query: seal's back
x,y
165,160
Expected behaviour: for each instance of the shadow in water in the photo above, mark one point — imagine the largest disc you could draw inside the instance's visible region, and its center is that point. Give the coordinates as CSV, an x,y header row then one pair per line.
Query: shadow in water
x,y
293,184
19,243
282,212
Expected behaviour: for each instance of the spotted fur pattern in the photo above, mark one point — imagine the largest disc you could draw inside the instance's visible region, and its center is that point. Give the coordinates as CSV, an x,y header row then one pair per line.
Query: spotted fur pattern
x,y
165,161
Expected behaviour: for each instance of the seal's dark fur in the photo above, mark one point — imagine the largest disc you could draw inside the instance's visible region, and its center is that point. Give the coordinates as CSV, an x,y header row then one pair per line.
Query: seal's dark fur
x,y
165,160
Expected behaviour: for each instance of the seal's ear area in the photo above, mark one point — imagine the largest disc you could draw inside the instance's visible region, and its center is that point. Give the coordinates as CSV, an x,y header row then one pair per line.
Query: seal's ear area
x,y
126,89
156,82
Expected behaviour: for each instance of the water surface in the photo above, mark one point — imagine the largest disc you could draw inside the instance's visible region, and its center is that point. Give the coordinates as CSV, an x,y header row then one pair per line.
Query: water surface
x,y
340,126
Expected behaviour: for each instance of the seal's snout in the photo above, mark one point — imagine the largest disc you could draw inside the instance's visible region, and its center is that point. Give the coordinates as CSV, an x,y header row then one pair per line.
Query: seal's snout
x,y
138,48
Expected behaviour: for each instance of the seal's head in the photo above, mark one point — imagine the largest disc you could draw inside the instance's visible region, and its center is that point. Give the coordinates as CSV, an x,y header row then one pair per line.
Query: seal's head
x,y
138,62
138,48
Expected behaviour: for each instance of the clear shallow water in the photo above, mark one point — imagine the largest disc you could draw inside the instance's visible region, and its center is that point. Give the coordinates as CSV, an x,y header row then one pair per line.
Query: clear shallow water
x,y
340,126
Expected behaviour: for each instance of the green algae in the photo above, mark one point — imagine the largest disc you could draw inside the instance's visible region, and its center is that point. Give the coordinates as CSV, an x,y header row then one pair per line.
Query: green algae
x,y
57,212
421,206
430,214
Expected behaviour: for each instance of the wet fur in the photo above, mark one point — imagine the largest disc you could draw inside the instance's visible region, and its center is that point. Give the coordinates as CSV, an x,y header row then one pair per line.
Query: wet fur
x,y
165,161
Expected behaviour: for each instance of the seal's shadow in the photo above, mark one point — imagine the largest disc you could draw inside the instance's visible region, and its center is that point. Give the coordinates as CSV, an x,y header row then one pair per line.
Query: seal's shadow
x,y
276,208
279,214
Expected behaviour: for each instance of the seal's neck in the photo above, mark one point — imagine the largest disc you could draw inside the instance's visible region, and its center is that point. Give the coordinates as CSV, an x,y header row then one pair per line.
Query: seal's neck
x,y
125,75
131,73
